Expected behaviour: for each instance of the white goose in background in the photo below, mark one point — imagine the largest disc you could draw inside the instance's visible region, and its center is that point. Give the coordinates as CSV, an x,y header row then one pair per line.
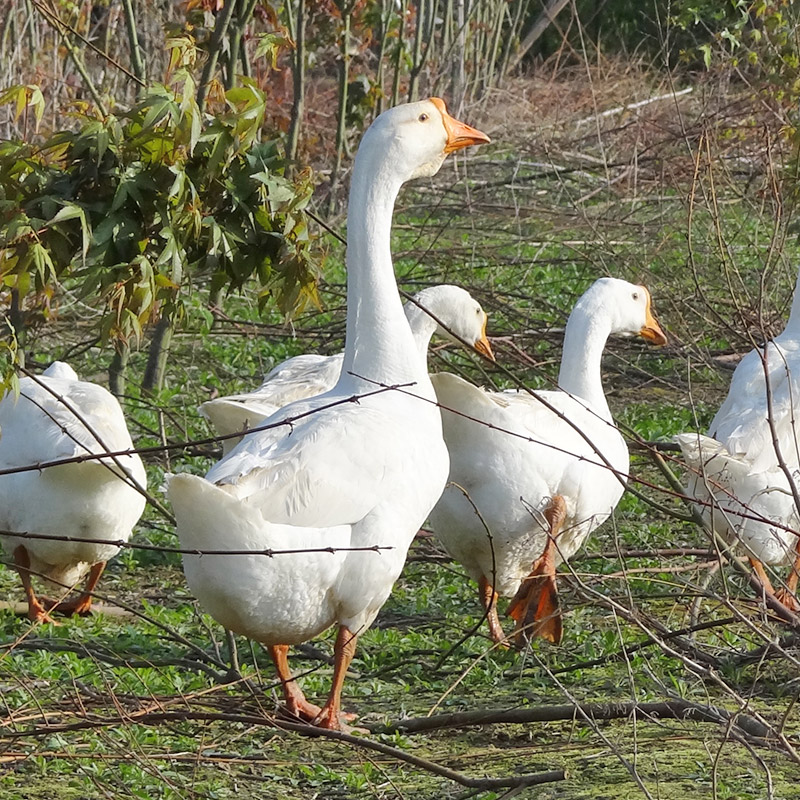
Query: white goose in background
x,y
736,474
308,375
525,493
345,475
57,416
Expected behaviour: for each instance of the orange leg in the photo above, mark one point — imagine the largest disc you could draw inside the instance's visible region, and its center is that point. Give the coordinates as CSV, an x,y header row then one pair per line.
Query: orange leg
x,y
489,603
535,607
759,570
344,650
36,611
788,594
82,605
296,703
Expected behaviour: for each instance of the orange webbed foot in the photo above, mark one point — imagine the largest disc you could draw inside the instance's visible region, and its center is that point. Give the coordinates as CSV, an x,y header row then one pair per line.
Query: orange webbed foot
x,y
337,721
536,609
300,708
38,615
785,596
81,606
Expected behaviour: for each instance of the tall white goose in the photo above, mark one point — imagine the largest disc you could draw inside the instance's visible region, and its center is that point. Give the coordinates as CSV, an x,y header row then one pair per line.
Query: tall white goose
x,y
345,475
526,487
736,472
308,375
59,417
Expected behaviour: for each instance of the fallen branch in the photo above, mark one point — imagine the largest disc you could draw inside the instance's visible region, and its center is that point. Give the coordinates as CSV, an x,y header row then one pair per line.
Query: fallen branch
x,y
633,106
669,709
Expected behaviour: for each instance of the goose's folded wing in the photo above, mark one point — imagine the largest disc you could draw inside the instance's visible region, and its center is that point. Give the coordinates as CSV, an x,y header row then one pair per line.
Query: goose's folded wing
x,y
326,469
298,378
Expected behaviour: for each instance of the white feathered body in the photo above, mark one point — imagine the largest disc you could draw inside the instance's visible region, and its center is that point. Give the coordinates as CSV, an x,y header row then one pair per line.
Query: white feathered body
x,y
324,482
742,425
752,506
736,468
88,500
512,478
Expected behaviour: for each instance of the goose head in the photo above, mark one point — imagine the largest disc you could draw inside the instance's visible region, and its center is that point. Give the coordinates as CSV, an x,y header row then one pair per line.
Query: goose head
x,y
459,316
627,306
415,138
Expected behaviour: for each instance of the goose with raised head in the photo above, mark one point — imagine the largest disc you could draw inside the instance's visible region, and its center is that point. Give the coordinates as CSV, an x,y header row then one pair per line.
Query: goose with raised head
x,y
58,417
533,474
308,375
736,474
349,483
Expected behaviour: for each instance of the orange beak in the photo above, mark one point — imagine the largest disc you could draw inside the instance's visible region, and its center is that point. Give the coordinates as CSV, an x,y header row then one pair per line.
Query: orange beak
x,y
482,345
651,331
459,135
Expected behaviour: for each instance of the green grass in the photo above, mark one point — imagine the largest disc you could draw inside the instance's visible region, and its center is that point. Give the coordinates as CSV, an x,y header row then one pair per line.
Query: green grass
x,y
400,672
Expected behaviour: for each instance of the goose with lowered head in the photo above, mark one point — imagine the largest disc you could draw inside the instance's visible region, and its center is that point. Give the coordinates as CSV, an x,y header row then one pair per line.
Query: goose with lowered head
x,y
532,475
59,417
357,479
736,471
308,375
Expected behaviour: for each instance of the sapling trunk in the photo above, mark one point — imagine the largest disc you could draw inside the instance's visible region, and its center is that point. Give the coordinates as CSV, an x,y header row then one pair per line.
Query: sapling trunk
x,y
118,368
157,355
341,128
298,82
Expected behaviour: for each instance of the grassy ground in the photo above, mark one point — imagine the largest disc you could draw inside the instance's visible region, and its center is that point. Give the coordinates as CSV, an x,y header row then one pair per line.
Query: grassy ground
x,y
526,226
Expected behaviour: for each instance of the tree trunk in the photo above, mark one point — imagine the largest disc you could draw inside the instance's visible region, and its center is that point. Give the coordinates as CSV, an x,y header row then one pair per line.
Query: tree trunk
x,y
220,31
157,355
542,23
117,369
459,77
341,128
298,83
416,61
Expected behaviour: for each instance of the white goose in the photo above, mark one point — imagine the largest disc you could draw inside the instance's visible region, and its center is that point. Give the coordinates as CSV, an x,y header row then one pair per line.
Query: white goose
x,y
58,417
526,492
345,475
308,375
735,470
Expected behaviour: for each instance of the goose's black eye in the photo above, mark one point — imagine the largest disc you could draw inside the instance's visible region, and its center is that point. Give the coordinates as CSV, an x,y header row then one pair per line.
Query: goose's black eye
x,y
636,295
423,117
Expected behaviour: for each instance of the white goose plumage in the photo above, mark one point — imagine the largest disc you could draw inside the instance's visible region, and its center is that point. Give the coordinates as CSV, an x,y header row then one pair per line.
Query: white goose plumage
x,y
532,478
308,375
57,416
735,471
345,475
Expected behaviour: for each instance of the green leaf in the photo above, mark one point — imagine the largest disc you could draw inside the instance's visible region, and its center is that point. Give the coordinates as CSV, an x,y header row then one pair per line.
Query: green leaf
x,y
72,211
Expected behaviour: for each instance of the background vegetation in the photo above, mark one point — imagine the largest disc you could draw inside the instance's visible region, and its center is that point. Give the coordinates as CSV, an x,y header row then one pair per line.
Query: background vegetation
x,y
170,179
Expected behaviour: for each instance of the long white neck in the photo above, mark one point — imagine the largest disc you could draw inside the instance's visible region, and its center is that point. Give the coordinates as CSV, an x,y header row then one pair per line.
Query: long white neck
x,y
423,326
378,342
584,341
